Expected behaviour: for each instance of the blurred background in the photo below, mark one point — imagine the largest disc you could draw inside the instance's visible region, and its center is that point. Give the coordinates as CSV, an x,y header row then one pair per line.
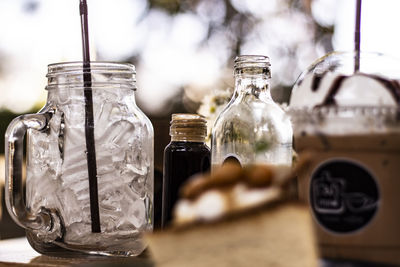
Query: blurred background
x,y
183,50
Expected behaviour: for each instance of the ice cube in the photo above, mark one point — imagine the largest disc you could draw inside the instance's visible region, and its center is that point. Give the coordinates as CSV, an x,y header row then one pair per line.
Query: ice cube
x,y
60,172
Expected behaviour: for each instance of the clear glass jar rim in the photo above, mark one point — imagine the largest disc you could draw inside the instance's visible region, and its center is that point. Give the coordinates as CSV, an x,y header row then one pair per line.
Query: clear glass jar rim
x,y
69,75
95,66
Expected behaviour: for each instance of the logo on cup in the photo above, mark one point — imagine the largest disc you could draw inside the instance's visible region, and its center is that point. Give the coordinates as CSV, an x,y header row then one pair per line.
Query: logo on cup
x,y
344,195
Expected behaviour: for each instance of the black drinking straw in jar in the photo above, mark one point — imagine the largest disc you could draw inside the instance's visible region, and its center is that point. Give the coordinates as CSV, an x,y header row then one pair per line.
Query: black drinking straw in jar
x,y
357,36
89,122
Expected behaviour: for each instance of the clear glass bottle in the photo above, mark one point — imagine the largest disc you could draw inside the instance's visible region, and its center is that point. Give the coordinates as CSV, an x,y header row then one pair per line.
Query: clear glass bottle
x,y
56,211
252,129
186,155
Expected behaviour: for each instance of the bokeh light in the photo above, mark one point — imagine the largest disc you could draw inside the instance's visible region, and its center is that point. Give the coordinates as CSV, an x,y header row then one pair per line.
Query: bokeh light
x,y
182,49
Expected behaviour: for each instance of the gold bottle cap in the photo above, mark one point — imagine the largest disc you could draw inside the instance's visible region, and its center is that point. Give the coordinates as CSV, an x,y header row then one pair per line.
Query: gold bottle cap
x,y
188,127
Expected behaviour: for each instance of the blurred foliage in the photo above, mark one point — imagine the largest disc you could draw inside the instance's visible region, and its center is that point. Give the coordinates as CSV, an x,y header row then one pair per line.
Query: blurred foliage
x,y
171,6
240,23
243,20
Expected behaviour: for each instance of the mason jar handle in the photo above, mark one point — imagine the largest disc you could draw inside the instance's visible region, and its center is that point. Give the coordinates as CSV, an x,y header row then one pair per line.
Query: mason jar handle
x,y
14,198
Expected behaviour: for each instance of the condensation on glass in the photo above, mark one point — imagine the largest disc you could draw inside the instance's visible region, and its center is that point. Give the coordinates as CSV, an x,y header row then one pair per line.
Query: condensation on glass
x,y
56,214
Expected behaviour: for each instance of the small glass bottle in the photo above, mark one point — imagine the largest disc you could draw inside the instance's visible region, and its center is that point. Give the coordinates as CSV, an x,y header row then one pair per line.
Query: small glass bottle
x,y
252,129
186,155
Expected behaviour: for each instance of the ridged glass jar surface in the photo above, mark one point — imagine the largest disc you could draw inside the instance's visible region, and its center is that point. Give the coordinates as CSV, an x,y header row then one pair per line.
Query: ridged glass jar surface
x,y
252,129
57,170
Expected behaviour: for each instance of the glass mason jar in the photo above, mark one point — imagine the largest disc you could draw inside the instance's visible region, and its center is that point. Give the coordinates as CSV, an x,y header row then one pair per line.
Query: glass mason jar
x,y
58,209
252,129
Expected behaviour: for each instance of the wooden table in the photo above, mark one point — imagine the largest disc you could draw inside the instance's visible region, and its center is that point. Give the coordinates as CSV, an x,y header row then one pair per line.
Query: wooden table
x,y
18,252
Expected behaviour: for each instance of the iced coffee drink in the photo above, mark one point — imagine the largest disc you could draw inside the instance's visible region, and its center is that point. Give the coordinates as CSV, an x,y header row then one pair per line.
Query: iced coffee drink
x,y
350,124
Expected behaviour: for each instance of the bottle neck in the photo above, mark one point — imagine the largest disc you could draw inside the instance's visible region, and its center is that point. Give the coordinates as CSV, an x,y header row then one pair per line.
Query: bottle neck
x,y
252,75
253,85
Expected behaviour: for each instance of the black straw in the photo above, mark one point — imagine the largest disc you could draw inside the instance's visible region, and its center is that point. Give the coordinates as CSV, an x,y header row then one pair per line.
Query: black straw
x,y
357,36
89,122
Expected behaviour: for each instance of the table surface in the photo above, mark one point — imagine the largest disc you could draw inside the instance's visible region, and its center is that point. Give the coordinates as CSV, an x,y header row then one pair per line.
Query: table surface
x,y
17,252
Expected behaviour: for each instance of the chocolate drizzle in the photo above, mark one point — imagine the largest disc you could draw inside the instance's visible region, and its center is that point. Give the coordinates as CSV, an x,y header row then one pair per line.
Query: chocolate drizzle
x,y
392,86
316,81
333,90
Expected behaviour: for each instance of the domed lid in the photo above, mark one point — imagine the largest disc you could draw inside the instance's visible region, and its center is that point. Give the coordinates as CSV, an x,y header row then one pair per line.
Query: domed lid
x,y
331,81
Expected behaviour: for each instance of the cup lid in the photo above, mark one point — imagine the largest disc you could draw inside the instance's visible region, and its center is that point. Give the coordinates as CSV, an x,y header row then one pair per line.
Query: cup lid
x,y
332,82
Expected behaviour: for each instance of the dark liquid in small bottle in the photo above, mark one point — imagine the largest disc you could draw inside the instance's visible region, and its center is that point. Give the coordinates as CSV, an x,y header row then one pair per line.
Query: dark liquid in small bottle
x,y
181,160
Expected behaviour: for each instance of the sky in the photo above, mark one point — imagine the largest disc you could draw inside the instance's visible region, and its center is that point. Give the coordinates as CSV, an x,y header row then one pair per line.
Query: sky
x,y
171,49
